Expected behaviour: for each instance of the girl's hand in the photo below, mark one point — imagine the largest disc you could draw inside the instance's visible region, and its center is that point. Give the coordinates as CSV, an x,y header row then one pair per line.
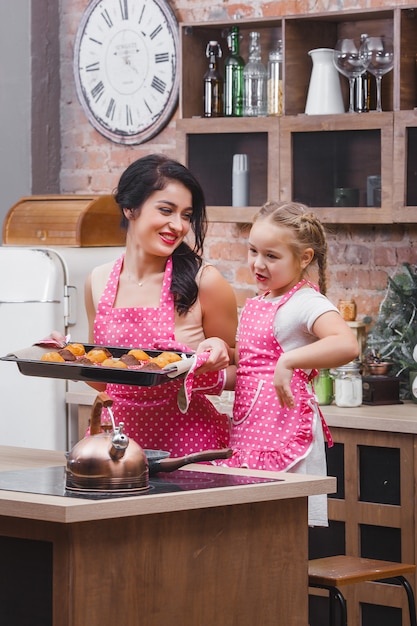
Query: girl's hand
x,y
219,354
282,383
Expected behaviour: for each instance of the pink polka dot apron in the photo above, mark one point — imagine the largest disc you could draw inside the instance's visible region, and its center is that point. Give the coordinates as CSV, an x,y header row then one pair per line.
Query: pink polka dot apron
x,y
151,414
264,434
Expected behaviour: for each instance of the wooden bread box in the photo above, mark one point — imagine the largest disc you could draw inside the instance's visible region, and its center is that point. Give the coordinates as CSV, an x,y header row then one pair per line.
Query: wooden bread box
x,y
64,220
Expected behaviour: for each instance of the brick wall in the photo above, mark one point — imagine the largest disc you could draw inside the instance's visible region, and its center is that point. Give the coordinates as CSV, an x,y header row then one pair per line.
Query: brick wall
x,y
360,257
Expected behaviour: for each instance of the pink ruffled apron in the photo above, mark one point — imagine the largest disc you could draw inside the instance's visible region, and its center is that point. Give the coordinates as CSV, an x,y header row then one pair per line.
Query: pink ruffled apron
x,y
264,434
151,414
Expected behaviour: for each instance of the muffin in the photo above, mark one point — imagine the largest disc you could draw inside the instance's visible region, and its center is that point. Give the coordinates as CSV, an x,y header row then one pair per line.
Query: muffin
x,y
111,362
77,349
54,357
166,358
140,355
98,355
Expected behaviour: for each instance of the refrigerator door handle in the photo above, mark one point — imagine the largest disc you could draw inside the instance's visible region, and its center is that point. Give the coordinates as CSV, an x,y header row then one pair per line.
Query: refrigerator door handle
x,y
70,308
29,301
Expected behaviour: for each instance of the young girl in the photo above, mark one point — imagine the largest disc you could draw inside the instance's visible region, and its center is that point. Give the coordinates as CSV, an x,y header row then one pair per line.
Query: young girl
x,y
285,335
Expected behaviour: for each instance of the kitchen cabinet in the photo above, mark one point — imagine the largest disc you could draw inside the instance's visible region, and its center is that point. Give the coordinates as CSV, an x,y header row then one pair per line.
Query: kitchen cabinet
x,y
373,512
302,157
405,166
234,555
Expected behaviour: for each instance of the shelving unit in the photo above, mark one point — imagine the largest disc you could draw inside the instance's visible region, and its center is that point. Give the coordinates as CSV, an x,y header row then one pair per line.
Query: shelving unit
x,y
405,167
300,157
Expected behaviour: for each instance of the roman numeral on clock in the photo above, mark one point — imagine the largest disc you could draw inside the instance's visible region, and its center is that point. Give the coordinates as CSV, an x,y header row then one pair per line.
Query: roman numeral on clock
x,y
97,91
158,84
124,10
93,67
128,116
155,32
162,57
111,109
106,17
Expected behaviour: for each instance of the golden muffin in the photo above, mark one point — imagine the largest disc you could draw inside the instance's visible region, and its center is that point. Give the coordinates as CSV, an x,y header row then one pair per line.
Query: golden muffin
x,y
77,349
140,355
166,358
98,355
113,363
54,357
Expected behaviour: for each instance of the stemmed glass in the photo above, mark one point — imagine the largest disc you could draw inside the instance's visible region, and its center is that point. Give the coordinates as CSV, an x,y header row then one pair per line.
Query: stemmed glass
x,y
378,55
349,62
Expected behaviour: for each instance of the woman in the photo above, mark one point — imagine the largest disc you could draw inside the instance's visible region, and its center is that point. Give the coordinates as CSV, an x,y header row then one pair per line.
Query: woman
x,y
161,295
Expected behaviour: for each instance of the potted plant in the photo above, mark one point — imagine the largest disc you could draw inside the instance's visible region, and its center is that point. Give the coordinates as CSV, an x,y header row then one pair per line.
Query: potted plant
x,y
394,335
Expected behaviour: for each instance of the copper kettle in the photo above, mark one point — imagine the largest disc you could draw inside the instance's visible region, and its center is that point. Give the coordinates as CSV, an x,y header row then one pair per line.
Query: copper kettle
x,y
106,461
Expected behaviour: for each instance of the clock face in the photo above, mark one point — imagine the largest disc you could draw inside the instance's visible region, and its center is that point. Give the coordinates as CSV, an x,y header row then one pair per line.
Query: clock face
x,y
125,67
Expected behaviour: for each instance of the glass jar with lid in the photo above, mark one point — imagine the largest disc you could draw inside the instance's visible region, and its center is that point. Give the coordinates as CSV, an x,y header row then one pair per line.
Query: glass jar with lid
x,y
347,384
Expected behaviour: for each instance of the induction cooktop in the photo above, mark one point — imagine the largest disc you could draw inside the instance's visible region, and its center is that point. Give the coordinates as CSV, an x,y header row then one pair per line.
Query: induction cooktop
x,y
51,481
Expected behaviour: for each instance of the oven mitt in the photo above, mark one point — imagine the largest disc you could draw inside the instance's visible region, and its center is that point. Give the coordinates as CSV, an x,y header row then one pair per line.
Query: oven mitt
x,y
211,383
54,340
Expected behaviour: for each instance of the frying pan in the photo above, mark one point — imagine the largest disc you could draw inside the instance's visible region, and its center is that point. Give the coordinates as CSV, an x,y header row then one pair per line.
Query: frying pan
x,y
160,460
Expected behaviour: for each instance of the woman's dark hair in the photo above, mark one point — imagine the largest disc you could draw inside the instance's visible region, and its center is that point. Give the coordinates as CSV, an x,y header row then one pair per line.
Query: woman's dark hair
x,y
137,183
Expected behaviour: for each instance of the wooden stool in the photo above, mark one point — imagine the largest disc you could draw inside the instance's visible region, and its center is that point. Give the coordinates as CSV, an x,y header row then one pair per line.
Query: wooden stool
x,y
335,571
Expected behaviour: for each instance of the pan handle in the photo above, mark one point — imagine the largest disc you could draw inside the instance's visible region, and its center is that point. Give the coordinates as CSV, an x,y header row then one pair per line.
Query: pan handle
x,y
171,464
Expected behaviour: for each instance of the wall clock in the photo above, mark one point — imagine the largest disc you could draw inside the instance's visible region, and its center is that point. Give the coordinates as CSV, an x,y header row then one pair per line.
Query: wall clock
x,y
126,67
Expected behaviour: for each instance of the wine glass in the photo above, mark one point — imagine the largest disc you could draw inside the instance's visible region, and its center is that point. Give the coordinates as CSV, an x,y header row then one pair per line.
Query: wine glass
x,y
349,62
378,55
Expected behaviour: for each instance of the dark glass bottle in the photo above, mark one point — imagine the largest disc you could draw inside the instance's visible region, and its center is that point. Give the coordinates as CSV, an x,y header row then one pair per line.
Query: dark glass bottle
x,y
233,76
362,91
213,82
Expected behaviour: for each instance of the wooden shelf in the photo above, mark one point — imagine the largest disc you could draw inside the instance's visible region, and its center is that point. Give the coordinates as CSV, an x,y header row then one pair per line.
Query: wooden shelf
x,y
231,214
288,155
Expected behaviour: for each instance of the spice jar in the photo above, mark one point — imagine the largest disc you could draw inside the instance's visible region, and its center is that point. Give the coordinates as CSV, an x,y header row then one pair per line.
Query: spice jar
x,y
347,385
347,310
323,387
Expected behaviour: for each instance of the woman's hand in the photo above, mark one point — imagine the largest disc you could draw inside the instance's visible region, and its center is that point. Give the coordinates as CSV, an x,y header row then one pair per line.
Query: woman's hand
x,y
219,356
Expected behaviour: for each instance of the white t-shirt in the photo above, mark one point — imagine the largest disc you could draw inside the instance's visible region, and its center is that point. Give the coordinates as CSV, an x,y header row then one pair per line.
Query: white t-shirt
x,y
294,321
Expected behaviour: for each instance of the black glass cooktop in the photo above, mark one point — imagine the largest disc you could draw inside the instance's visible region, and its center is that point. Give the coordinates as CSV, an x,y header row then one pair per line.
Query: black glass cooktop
x,y
51,481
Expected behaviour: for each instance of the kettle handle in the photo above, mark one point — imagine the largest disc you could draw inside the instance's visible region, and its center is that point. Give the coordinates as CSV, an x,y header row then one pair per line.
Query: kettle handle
x,y
102,400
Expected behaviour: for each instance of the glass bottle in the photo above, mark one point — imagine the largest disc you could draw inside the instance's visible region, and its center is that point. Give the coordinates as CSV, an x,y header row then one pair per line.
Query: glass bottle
x,y
275,80
362,91
233,76
323,386
254,81
347,309
213,82
347,385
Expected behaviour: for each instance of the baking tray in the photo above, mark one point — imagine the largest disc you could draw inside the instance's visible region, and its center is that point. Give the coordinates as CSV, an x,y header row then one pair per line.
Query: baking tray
x,y
29,363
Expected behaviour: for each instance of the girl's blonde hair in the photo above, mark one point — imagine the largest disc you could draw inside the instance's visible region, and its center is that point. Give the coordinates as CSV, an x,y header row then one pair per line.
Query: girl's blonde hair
x,y
308,232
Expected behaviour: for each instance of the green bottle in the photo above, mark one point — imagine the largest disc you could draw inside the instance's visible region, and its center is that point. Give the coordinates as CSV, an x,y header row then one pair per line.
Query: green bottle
x,y
233,76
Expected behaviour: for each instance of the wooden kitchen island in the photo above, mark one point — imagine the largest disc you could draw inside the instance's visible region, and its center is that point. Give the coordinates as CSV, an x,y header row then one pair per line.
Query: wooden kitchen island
x,y
232,555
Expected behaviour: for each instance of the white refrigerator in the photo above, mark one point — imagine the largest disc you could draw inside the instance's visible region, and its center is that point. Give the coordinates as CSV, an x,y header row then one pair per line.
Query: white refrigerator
x,y
41,289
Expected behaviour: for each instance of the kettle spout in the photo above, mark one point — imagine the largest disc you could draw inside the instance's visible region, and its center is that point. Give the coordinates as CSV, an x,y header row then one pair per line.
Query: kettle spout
x,y
119,443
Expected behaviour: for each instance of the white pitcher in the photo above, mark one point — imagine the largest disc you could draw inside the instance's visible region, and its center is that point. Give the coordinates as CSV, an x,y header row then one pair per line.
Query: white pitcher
x,y
324,92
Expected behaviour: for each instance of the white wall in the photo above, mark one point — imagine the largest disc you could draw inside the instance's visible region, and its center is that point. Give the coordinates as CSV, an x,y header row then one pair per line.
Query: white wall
x,y
15,102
